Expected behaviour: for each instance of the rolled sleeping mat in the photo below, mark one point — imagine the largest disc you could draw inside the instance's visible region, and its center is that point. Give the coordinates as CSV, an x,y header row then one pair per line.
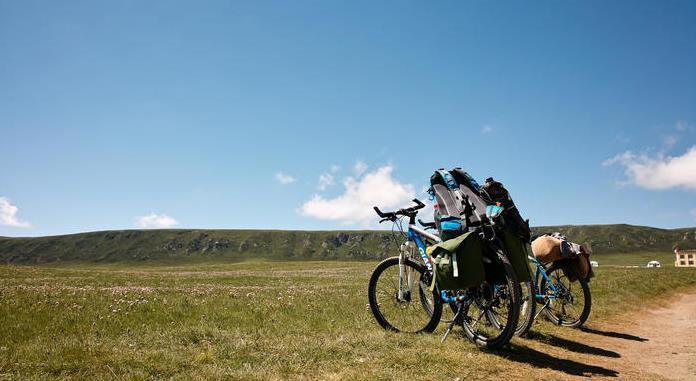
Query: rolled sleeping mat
x,y
547,249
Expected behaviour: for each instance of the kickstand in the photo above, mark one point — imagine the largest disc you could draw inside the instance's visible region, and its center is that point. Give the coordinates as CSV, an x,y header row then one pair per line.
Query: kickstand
x,y
548,301
456,320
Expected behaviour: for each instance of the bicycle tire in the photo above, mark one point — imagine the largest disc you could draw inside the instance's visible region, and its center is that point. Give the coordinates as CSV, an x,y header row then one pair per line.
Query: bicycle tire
x,y
431,318
587,298
527,309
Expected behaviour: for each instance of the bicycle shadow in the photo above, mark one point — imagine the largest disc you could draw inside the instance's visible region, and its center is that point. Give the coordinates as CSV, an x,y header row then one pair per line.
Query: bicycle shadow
x,y
522,354
617,335
571,345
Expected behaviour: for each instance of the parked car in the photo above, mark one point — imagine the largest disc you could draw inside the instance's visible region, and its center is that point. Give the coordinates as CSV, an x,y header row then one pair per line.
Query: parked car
x,y
653,264
594,263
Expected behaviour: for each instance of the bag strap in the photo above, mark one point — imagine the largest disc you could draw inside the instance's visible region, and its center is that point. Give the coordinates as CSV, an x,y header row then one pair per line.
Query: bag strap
x,y
450,182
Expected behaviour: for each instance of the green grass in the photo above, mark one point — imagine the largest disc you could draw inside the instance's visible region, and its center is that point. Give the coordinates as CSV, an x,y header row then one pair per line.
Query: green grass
x,y
260,320
666,259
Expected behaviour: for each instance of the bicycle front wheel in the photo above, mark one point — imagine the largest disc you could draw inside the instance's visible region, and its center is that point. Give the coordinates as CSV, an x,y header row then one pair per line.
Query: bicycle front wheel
x,y
527,309
567,303
492,309
399,298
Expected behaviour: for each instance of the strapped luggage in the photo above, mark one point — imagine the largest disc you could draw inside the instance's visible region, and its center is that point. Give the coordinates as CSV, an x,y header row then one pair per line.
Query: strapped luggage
x,y
549,248
461,204
581,267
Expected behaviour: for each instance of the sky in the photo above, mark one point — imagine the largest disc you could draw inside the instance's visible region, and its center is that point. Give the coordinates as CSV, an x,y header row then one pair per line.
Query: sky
x,y
301,115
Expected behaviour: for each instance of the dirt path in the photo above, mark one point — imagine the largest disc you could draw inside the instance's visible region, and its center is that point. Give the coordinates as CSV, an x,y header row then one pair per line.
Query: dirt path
x,y
654,344
670,334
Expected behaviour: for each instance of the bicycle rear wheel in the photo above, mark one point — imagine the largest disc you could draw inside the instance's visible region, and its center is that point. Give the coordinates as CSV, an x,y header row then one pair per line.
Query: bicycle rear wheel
x,y
416,309
492,309
569,305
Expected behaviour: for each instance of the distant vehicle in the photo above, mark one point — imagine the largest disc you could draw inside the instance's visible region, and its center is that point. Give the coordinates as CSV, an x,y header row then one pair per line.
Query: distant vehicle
x,y
653,264
594,263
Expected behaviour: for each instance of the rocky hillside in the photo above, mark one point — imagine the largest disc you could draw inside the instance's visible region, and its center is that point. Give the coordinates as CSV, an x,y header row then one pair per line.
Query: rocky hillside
x,y
234,245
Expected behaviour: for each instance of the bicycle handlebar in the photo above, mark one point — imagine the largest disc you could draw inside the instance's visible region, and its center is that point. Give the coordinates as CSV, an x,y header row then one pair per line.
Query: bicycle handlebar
x,y
408,212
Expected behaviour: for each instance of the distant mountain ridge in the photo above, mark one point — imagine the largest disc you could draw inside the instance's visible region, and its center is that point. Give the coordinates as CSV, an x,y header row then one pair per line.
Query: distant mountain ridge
x,y
200,244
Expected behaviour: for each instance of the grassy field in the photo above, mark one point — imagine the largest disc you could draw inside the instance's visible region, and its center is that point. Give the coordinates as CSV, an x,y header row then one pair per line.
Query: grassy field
x,y
641,258
261,320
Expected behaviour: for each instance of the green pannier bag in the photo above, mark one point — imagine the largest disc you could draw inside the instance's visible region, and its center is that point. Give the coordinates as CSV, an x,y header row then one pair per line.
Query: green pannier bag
x,y
517,251
458,263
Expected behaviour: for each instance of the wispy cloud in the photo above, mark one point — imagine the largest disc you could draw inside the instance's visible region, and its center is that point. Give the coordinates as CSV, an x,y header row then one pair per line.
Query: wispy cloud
x,y
668,141
359,168
354,206
155,221
659,172
284,179
486,129
325,180
8,215
684,126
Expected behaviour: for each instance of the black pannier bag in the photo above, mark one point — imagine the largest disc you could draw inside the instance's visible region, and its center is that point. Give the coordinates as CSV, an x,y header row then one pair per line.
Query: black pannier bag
x,y
516,234
494,192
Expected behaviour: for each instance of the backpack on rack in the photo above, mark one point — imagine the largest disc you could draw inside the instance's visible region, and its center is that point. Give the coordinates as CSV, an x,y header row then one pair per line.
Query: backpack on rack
x,y
458,202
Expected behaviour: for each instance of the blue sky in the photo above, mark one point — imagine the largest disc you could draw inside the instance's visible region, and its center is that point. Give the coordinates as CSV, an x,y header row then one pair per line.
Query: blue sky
x,y
207,114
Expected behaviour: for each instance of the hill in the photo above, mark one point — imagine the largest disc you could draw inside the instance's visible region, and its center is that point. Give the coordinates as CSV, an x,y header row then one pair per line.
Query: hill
x,y
237,245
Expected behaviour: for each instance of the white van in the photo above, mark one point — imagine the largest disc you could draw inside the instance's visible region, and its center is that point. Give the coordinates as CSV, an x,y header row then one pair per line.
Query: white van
x,y
594,263
652,264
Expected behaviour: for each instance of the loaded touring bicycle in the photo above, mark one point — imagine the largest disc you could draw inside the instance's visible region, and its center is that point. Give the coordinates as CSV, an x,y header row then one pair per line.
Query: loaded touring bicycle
x,y
468,267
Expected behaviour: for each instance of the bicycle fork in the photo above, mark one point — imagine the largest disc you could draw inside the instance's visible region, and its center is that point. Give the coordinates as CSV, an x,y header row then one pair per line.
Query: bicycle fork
x,y
406,278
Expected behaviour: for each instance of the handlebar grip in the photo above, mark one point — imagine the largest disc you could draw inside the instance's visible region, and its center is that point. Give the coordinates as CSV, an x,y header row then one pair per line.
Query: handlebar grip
x,y
427,224
419,204
379,212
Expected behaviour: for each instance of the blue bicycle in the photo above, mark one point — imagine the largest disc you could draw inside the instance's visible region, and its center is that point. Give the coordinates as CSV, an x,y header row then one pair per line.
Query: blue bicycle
x,y
401,299
563,294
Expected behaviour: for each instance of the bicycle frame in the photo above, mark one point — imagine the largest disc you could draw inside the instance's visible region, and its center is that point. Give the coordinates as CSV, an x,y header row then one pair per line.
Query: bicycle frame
x,y
418,236
541,270
415,234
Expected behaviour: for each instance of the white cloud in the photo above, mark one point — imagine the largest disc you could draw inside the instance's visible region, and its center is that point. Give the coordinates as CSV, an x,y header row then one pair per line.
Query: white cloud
x,y
660,172
354,206
155,221
486,129
284,179
8,215
335,168
359,168
325,180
